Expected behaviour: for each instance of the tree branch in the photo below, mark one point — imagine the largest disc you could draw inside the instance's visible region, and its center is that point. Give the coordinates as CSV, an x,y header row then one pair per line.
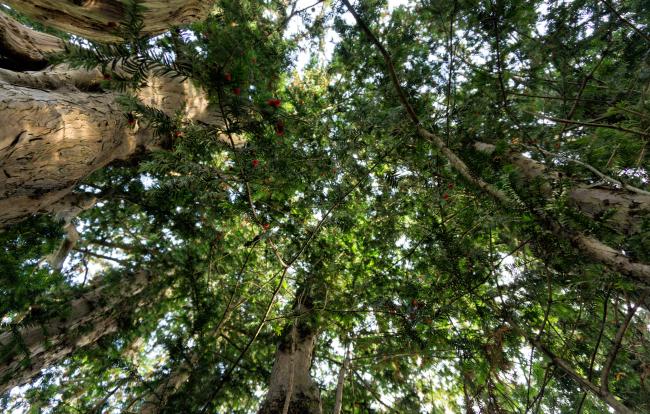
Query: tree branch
x,y
618,339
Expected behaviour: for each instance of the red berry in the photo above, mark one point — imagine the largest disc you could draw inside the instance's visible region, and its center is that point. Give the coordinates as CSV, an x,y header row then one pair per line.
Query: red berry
x,y
255,163
450,186
227,76
445,196
274,103
178,133
236,91
266,226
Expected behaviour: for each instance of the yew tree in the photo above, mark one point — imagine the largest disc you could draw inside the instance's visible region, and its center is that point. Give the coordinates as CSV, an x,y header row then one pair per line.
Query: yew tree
x,y
307,207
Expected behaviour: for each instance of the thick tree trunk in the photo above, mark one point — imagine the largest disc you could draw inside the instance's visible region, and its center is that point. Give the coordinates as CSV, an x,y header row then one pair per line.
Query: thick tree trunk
x,y
52,138
290,375
59,126
22,48
55,133
98,20
91,316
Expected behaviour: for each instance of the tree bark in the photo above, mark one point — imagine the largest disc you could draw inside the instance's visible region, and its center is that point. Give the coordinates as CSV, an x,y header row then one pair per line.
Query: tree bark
x,y
56,133
52,138
59,126
99,20
290,374
91,316
22,48
622,210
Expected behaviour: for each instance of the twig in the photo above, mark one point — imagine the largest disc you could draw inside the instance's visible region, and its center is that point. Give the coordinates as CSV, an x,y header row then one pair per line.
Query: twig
x,y
589,124
593,354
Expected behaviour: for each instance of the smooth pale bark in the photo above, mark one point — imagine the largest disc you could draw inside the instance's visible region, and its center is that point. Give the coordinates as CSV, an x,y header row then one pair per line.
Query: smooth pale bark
x,y
622,210
89,317
98,20
290,374
22,48
338,400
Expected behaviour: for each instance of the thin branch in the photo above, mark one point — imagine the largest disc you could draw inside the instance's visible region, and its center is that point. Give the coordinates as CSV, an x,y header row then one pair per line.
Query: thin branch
x,y
618,339
593,354
626,21
593,170
338,401
589,124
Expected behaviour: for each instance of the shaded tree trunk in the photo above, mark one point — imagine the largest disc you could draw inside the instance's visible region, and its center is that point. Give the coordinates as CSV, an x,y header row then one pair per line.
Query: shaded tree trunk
x,y
291,388
92,315
59,126
98,20
54,137
22,48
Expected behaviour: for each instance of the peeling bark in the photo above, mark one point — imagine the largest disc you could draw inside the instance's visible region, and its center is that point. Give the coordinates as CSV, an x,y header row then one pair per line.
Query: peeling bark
x,y
290,372
98,20
620,210
91,316
22,48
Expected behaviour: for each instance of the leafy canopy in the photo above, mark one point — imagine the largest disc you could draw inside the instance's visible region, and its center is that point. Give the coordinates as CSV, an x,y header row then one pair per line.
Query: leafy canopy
x,y
436,288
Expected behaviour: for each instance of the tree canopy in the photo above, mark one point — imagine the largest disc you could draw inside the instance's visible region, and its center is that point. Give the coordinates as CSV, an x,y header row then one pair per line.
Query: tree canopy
x,y
447,200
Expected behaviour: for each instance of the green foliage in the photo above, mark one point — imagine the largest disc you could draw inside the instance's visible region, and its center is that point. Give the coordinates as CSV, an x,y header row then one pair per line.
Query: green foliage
x,y
436,288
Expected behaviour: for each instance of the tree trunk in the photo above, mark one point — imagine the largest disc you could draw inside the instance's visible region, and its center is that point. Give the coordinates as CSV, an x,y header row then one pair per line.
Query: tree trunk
x,y
99,20
290,374
59,126
155,401
57,131
91,316
52,138
22,48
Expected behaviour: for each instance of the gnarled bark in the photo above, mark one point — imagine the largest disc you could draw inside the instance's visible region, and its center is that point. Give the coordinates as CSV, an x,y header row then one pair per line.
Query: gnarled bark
x,y
98,20
91,316
51,139
59,125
